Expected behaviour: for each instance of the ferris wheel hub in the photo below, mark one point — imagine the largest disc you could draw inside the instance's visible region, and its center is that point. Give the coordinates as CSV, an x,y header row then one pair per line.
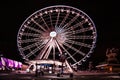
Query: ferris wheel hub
x,y
53,34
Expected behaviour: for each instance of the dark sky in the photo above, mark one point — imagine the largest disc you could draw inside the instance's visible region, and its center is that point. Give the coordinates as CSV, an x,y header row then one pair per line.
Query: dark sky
x,y
105,15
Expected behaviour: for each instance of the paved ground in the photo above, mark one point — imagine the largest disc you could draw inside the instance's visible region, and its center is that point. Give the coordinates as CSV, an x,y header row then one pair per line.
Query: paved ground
x,y
81,75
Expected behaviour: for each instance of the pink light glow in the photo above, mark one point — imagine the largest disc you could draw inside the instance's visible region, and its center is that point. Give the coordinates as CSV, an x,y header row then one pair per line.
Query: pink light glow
x,y
11,63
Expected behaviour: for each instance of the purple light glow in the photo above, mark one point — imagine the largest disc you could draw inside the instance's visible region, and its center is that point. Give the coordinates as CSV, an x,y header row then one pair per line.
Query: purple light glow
x,y
10,63
15,64
0,64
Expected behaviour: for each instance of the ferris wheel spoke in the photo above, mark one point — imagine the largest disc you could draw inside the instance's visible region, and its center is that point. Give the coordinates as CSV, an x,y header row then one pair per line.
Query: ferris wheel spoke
x,y
63,21
79,24
57,18
83,30
41,54
44,22
38,24
53,52
31,28
47,53
68,54
58,47
29,40
76,50
76,25
30,34
66,51
70,22
32,52
50,19
79,43
79,31
30,46
81,37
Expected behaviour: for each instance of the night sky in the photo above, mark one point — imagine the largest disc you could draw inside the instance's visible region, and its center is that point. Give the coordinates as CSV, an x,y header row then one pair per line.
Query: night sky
x,y
105,15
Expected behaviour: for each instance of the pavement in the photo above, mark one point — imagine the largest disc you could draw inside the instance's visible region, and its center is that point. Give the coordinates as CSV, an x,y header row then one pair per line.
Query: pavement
x,y
80,75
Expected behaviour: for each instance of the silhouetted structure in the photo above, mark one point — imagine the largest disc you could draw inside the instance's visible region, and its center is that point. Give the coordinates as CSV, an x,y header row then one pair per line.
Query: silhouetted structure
x,y
111,55
112,63
91,67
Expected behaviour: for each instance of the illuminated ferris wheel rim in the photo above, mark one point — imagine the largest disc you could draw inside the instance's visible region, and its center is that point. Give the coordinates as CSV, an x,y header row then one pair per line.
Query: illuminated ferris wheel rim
x,y
61,6
54,33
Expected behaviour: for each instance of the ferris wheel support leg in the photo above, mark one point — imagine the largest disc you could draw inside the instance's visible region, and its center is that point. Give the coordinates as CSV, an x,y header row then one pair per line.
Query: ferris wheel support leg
x,y
68,66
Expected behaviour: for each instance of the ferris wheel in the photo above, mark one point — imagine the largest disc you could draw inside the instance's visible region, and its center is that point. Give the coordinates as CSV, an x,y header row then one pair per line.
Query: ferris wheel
x,y
56,30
